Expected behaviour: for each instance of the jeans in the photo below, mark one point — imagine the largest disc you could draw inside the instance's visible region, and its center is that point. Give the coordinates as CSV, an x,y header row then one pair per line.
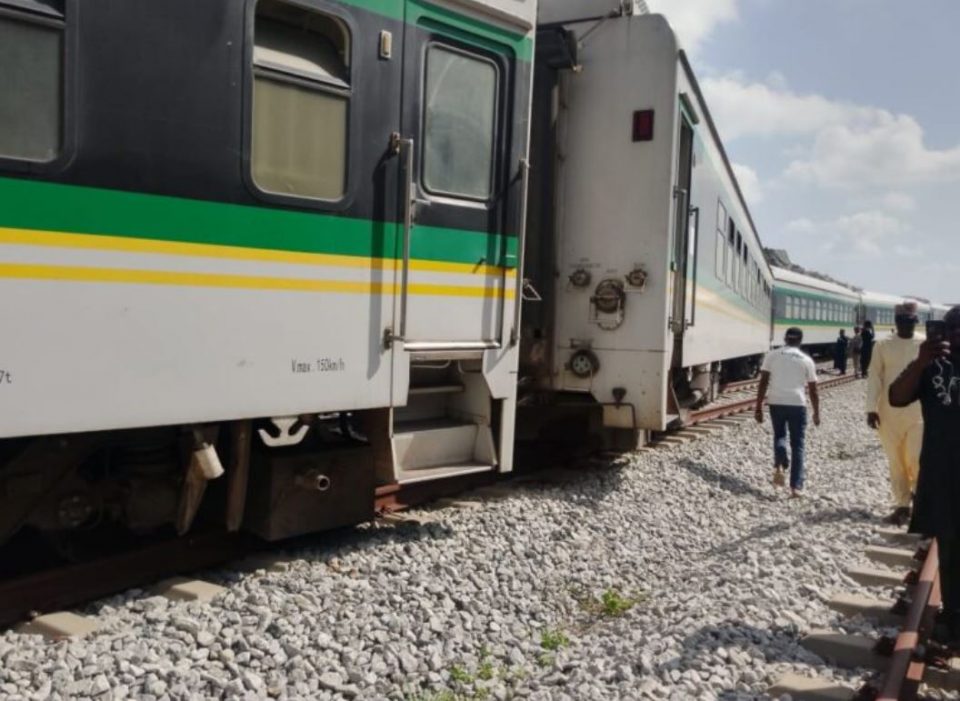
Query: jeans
x,y
783,417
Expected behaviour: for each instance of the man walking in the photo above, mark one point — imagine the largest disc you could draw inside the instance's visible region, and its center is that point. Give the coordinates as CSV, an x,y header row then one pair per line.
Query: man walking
x,y
934,379
786,372
900,430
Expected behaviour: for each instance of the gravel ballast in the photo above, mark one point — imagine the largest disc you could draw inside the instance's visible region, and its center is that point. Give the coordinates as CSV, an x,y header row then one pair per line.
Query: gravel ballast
x,y
679,573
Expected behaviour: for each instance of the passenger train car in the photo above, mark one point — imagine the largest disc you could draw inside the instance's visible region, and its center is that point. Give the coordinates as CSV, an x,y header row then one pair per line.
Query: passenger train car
x,y
640,242
260,260
227,211
821,308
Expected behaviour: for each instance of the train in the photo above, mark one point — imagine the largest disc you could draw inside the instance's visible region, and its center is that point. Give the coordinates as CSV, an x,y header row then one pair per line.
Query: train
x,y
820,308
640,243
262,261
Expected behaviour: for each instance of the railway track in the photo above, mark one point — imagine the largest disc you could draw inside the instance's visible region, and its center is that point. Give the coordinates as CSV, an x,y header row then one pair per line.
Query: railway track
x,y
26,597
753,383
903,665
738,398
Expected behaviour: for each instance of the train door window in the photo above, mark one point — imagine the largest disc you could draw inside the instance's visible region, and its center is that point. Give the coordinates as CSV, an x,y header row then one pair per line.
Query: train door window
x,y
721,216
745,276
31,86
460,109
301,97
720,254
731,242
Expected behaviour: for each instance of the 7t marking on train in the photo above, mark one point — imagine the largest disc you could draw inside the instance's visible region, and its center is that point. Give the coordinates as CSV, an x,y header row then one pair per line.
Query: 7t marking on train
x,y
5,378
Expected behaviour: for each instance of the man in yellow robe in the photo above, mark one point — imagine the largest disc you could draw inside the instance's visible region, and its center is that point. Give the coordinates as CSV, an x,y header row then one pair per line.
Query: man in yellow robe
x,y
900,430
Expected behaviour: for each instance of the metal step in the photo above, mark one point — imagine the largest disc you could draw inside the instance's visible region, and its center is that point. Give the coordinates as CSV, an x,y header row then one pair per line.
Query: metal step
x,y
435,473
432,443
436,389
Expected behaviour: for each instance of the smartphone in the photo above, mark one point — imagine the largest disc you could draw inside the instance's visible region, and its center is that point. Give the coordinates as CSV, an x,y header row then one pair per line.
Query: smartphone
x,y
936,330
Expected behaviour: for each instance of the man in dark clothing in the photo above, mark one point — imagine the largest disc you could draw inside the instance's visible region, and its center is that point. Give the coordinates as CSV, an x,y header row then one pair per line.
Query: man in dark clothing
x,y
840,353
934,379
866,346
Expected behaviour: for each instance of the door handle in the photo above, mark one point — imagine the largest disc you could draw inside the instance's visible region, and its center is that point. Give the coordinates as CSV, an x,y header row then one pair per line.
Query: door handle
x,y
521,250
405,148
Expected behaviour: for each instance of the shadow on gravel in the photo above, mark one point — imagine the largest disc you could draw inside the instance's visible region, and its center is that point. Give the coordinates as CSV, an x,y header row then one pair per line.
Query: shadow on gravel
x,y
744,647
726,482
827,516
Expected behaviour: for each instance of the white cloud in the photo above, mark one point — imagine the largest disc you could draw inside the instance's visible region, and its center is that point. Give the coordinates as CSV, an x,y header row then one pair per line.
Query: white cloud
x,y
749,183
853,146
800,226
899,202
890,152
866,233
869,233
757,109
695,20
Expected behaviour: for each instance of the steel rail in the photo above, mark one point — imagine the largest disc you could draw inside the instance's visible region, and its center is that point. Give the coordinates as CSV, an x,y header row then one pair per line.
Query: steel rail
x,y
74,584
905,674
738,407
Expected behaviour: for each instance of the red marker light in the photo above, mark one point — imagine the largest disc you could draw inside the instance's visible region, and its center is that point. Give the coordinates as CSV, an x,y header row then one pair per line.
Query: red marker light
x,y
643,125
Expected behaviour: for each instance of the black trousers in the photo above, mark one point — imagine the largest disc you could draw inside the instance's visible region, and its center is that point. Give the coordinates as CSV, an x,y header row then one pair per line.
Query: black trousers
x,y
949,549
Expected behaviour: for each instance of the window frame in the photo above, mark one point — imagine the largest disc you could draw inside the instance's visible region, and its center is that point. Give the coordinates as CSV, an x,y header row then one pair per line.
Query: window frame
x,y
48,17
352,92
720,256
496,143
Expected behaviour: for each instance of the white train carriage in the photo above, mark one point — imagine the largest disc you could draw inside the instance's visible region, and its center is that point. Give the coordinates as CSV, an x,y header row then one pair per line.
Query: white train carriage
x,y
878,308
819,307
937,310
322,218
640,240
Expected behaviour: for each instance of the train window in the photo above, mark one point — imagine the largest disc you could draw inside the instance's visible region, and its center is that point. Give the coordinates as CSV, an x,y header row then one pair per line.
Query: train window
x,y
460,109
731,241
301,95
721,217
31,88
720,253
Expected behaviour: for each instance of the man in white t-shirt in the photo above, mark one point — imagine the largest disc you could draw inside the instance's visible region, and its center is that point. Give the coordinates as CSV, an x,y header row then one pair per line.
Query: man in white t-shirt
x,y
786,372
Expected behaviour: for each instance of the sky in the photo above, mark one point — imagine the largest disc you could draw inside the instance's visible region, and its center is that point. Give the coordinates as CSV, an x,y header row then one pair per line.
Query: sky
x,y
842,119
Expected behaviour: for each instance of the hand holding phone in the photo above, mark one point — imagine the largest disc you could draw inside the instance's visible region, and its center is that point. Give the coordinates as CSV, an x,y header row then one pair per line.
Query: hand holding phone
x,y
936,330
936,345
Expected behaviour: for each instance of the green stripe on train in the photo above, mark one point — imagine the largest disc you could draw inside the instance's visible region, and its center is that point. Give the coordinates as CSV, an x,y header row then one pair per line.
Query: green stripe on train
x,y
417,13
780,321
29,204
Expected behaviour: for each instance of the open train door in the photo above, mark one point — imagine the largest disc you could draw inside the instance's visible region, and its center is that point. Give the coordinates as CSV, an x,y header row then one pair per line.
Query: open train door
x,y
684,258
454,145
462,127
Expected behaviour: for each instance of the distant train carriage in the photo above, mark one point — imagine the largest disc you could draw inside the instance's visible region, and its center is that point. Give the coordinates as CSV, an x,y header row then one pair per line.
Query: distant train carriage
x,y
879,309
937,310
232,210
640,242
819,307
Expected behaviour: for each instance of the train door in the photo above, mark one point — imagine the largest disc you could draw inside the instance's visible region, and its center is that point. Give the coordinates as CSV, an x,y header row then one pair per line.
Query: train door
x,y
684,243
453,141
